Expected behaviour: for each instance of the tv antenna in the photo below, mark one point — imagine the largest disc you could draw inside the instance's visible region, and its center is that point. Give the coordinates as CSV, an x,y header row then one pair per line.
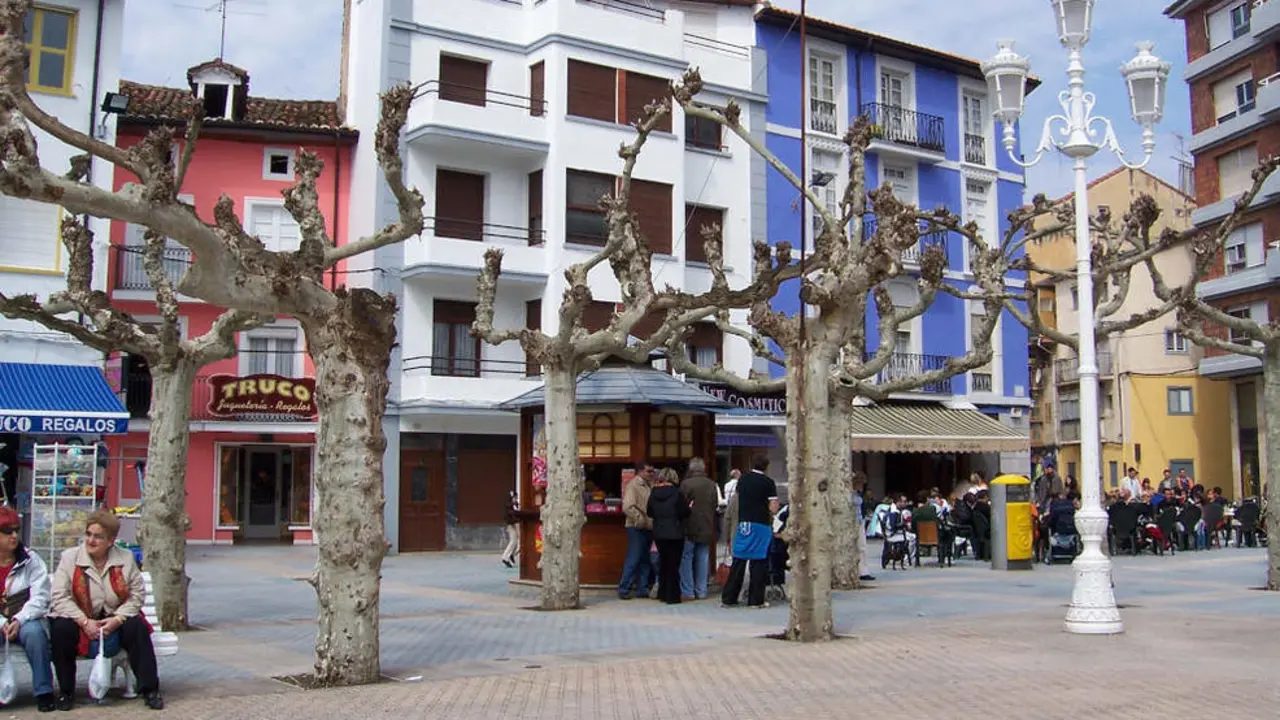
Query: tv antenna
x,y
224,8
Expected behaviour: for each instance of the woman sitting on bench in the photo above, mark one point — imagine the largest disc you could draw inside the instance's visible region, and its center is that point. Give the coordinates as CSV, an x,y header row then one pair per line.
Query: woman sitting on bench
x,y
26,600
98,586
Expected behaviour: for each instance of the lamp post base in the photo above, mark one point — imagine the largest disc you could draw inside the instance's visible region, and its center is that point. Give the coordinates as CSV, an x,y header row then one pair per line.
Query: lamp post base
x,y
1093,608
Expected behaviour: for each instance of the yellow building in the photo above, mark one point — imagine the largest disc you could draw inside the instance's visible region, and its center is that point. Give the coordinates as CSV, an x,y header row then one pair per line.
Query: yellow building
x,y
1157,413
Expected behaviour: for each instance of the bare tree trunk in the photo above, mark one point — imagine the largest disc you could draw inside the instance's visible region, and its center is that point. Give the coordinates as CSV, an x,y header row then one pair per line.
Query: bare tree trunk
x,y
1271,488
351,346
810,497
163,528
846,559
562,513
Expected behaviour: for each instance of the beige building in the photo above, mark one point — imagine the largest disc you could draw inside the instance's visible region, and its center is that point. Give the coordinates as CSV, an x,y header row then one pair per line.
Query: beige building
x,y
1156,411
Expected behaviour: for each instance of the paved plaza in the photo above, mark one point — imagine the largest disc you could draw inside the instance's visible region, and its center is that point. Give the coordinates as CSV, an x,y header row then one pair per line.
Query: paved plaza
x,y
958,642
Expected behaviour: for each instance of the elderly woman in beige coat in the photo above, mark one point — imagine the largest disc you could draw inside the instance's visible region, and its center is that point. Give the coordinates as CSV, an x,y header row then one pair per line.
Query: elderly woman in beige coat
x,y
98,586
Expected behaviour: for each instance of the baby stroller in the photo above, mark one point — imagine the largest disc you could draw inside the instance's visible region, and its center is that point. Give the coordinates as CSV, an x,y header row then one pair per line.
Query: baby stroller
x,y
775,590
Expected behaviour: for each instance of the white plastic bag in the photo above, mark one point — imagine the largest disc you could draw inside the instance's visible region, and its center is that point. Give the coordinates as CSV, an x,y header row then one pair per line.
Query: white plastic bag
x,y
100,675
8,683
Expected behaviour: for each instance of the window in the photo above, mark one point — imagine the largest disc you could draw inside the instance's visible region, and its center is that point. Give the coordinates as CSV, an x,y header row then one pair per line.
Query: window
x,y
270,351
217,100
982,377
536,236
1235,169
32,239
639,91
975,129
454,352
459,205
701,133
902,181
604,435
1180,401
1239,336
1175,343
670,436
1244,248
538,89
977,209
822,94
584,218
50,38
532,321
705,345
697,218
1233,95
604,93
1069,406
1228,23
902,342
463,80
651,203
1047,303
1075,298
828,162
271,223
277,164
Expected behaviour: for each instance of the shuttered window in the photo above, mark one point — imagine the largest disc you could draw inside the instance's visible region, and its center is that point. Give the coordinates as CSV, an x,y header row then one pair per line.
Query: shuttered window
x,y
706,343
696,218
459,205
702,133
584,218
597,316
647,325
532,321
593,91
463,80
651,203
454,352
535,208
640,90
538,89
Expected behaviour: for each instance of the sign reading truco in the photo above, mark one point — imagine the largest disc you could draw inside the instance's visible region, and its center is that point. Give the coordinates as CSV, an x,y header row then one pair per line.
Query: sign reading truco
x,y
266,394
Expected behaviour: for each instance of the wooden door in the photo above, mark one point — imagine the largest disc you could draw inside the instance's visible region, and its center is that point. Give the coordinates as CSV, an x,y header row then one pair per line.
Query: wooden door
x,y
422,500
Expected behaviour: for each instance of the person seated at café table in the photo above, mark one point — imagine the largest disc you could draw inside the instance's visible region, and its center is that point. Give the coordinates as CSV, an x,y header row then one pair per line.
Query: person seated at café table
x,y
25,580
98,587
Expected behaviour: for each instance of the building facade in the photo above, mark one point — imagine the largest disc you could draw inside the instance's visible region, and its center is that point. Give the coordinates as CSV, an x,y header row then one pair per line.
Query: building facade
x,y
1233,64
253,416
513,139
1157,411
935,144
75,48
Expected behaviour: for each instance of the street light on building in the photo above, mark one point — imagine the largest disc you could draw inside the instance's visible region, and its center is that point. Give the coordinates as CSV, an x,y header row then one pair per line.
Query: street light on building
x,y
1075,134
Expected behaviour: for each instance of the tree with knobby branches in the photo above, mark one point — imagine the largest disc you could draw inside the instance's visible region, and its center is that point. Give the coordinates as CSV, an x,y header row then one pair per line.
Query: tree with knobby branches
x,y
349,331
173,362
830,358
572,349
1211,327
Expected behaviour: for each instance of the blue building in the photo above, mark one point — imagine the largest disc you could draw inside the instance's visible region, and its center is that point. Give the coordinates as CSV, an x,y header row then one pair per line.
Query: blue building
x,y
936,145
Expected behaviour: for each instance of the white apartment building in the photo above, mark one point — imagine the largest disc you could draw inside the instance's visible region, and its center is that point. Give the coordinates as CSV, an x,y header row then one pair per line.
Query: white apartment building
x,y
512,140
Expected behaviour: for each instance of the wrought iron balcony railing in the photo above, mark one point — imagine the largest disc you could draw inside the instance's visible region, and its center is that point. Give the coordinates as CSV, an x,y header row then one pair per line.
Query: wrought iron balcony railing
x,y
1069,368
460,229
481,96
131,274
904,365
975,149
822,116
912,255
904,126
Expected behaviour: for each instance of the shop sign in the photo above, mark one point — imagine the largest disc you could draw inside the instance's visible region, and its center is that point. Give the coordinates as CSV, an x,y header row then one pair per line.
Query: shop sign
x,y
266,394
61,424
765,404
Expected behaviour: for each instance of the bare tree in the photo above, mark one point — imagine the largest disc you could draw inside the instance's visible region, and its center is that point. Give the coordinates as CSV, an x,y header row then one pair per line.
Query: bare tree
x,y
349,332
173,362
826,356
572,349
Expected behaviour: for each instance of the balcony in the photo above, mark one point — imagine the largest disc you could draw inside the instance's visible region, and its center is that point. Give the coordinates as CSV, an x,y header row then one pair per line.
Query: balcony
x,y
981,381
905,365
1069,431
822,117
911,256
452,247
1264,22
479,122
1068,369
1244,120
1268,96
1244,280
1216,211
899,130
436,381
131,274
975,149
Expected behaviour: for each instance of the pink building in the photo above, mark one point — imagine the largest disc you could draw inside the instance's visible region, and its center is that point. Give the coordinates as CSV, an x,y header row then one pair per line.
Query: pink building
x,y
252,418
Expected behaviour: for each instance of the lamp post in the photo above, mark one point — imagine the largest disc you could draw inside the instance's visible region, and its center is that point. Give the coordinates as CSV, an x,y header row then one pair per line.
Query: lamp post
x,y
1093,605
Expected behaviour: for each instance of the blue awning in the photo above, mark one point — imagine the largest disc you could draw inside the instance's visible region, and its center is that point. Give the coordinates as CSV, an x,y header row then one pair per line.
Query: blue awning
x,y
58,400
746,437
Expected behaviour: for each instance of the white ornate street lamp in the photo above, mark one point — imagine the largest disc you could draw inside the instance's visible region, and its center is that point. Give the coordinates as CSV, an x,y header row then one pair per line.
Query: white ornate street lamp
x,y
1093,604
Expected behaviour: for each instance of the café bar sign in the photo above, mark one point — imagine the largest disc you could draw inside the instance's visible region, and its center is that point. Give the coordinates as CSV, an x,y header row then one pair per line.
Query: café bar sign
x,y
261,394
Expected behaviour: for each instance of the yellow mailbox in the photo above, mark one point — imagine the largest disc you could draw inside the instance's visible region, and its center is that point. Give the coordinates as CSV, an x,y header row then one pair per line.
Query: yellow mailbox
x,y
1011,529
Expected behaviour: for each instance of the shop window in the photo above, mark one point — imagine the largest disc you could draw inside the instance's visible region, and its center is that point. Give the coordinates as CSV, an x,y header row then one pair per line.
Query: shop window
x,y
300,491
230,461
670,437
604,435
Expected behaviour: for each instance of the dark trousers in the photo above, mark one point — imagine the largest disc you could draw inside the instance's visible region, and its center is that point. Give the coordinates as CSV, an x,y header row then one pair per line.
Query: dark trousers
x,y
135,639
670,553
755,586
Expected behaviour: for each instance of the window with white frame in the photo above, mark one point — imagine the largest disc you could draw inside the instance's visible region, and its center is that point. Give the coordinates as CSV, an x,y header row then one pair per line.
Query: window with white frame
x,y
895,103
277,164
1244,248
273,350
1180,401
1235,171
823,110
977,207
827,162
1069,406
975,127
1228,22
1175,343
1233,95
271,223
1243,312
981,380
901,179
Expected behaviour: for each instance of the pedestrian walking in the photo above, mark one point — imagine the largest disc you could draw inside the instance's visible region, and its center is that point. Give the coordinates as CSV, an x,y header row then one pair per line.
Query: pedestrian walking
x,y
512,521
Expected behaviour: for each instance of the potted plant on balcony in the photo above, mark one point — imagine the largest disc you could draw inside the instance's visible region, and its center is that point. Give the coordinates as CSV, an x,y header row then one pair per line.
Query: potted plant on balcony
x,y
877,132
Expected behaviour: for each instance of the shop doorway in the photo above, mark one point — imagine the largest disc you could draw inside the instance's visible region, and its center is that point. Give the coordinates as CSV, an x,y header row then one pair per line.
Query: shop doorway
x,y
264,497
422,499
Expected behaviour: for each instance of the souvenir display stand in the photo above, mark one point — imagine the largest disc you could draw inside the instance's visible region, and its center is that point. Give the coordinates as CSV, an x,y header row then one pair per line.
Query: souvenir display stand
x,y
64,491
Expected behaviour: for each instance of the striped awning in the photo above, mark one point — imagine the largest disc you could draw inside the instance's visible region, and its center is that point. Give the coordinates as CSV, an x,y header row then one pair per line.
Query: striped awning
x,y
931,428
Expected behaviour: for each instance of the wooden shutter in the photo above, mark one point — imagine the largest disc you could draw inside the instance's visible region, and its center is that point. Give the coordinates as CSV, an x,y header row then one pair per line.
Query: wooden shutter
x,y
651,203
648,324
593,91
696,218
454,312
640,90
597,316
463,80
532,321
538,89
535,208
459,205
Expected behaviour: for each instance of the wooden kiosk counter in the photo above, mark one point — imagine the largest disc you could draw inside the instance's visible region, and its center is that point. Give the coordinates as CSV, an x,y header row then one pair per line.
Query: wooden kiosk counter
x,y
627,414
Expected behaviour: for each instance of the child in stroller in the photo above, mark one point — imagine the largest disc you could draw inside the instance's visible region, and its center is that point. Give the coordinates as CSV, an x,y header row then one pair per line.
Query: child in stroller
x,y
776,578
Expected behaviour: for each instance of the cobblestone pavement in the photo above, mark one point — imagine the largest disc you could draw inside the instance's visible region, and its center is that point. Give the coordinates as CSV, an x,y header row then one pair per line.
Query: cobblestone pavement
x,y
956,642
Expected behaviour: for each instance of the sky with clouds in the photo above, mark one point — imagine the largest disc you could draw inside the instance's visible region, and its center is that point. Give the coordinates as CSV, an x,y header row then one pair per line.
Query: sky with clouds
x,y
291,47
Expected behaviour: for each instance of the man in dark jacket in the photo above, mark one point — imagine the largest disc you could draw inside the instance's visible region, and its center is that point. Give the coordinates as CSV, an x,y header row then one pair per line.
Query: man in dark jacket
x,y
700,530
